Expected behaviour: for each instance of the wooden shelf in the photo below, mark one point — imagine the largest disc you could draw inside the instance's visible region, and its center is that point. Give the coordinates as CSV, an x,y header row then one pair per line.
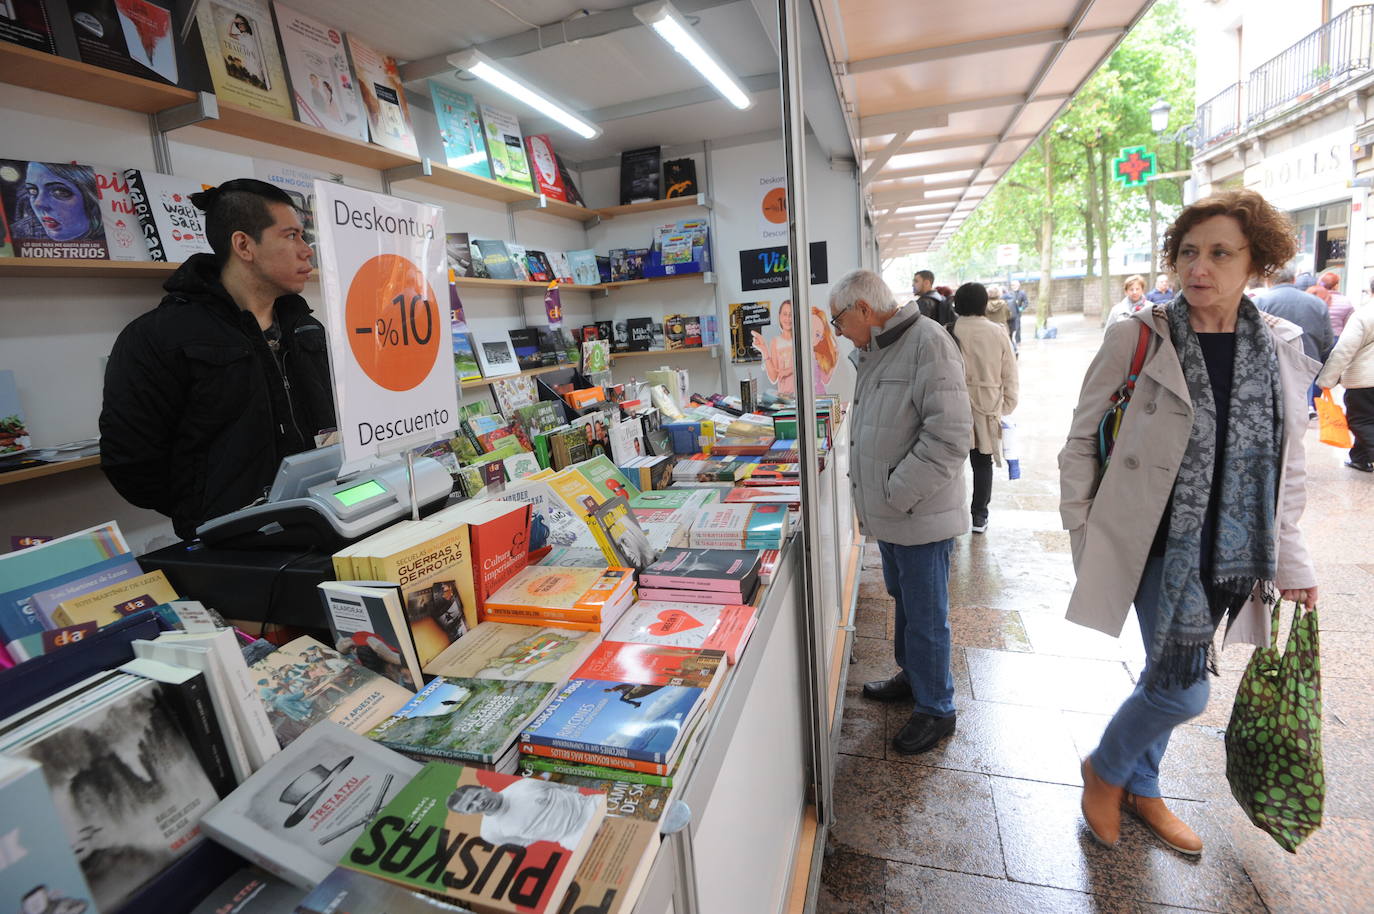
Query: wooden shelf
x,y
48,469
566,210
278,131
610,212
478,282
86,269
49,73
689,350
453,179
487,382
700,277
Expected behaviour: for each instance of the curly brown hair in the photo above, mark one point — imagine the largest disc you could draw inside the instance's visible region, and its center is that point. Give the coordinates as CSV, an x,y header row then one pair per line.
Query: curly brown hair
x,y
1268,230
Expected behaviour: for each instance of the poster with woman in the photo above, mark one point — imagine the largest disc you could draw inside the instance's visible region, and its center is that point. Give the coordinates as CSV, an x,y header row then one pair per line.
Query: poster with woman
x,y
53,210
777,352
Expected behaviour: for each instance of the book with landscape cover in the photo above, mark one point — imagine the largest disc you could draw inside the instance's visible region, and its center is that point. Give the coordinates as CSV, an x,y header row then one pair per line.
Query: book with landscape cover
x,y
297,814
688,625
40,872
460,130
173,227
304,682
61,218
703,569
500,650
496,257
470,720
240,45
653,664
324,90
622,720
384,97
129,790
526,837
526,343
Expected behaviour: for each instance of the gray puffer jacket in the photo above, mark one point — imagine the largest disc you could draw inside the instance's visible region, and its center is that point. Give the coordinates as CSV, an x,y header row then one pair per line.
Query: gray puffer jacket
x,y
909,433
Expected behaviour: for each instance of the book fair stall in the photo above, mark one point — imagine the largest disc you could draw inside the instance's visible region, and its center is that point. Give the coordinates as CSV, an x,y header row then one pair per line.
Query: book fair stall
x,y
554,616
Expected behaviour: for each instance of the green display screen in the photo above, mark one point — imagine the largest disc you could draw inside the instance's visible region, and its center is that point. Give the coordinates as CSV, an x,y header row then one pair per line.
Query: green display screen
x,y
350,497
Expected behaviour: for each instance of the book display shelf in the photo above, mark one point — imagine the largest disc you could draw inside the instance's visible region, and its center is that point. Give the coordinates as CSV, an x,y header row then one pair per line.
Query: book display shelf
x,y
747,778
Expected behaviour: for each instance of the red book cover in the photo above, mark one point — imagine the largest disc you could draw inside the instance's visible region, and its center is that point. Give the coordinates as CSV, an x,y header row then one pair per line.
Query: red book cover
x,y
489,440
652,664
688,625
544,167
500,549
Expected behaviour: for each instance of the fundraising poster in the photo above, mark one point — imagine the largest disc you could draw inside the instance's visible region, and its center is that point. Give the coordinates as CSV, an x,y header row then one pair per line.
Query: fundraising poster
x,y
384,276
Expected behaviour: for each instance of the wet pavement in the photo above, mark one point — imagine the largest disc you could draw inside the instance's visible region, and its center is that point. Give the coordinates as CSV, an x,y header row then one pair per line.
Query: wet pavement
x,y
989,821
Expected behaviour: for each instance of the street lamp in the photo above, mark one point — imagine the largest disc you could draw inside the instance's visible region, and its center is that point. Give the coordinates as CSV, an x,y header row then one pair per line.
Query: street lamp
x,y
1159,116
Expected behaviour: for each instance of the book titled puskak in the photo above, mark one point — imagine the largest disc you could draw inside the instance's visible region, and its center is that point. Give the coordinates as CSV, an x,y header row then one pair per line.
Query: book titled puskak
x,y
495,843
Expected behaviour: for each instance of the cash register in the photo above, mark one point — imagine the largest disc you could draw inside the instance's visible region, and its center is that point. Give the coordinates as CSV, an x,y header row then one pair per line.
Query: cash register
x,y
311,505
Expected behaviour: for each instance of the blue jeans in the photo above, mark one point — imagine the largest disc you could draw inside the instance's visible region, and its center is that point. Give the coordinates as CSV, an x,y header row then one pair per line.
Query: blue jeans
x,y
1135,739
917,577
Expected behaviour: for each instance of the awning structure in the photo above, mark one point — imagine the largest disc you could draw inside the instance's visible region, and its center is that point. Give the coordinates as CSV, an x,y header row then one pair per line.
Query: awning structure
x,y
942,98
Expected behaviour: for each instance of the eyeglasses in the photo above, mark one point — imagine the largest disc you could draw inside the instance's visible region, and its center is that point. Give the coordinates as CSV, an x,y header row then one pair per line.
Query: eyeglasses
x,y
835,321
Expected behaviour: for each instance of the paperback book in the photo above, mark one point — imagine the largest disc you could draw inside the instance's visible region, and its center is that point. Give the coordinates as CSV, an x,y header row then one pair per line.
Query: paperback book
x,y
241,48
653,664
688,625
53,210
469,720
173,226
40,872
129,36
460,130
26,23
384,97
719,570
495,257
544,167
123,233
623,720
506,148
324,90
500,650
369,626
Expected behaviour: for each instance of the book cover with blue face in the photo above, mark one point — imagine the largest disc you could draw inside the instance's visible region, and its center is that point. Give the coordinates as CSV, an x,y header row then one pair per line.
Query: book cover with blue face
x,y
38,870
630,719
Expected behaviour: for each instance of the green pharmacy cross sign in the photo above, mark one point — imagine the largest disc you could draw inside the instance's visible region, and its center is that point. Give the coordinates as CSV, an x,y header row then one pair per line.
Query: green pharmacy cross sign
x,y
1134,166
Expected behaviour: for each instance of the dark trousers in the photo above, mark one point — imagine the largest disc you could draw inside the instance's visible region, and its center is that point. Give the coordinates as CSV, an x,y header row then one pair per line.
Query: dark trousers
x,y
1359,415
982,483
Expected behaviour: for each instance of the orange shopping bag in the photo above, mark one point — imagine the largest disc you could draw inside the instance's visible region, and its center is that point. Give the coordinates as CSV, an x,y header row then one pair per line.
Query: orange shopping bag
x,y
1331,420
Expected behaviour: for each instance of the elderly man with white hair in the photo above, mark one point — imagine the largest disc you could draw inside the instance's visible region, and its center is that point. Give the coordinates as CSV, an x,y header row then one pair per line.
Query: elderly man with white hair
x,y
911,431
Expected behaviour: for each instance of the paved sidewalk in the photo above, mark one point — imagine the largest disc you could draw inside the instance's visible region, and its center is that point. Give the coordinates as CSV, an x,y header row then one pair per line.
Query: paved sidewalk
x,y
989,822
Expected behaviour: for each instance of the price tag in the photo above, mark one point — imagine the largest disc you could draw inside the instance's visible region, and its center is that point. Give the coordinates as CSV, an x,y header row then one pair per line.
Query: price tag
x,y
381,262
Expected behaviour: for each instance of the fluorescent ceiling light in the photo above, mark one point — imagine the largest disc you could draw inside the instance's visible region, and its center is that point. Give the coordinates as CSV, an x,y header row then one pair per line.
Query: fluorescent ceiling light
x,y
485,69
670,25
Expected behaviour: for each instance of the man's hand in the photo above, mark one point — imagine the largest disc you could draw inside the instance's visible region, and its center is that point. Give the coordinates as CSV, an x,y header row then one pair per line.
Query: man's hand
x,y
1307,596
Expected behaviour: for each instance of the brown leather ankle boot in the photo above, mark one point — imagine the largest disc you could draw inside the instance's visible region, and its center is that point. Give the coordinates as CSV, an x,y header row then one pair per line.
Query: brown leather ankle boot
x,y
1167,827
1101,806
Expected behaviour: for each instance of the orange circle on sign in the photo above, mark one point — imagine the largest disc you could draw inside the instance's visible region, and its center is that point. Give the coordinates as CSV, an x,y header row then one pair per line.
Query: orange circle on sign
x,y
393,322
775,205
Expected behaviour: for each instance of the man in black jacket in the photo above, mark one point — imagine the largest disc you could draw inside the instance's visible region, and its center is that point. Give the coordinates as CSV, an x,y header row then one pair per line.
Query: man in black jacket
x,y
932,303
206,393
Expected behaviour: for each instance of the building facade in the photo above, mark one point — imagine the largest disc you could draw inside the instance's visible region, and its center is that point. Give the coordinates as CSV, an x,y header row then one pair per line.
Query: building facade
x,y
1285,107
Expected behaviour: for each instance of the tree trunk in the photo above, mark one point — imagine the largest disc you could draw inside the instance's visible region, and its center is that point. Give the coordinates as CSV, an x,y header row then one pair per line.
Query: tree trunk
x,y
1154,236
1091,172
1042,298
1104,244
1091,266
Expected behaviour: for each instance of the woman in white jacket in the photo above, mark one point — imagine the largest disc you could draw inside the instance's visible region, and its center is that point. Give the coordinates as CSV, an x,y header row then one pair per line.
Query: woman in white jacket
x,y
1351,364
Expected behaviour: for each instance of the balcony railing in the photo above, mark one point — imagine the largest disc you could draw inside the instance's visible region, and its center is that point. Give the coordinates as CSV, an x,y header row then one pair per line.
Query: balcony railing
x,y
1219,116
1330,55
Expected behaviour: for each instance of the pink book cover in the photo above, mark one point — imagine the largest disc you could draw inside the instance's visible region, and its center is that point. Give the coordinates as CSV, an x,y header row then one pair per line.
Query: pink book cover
x,y
702,569
721,628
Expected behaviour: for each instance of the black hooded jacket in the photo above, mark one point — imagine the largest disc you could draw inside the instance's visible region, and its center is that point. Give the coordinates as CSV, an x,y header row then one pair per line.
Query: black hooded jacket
x,y
197,411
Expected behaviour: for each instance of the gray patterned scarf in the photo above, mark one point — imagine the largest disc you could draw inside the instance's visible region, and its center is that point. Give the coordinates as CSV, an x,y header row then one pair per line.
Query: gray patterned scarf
x,y
1243,552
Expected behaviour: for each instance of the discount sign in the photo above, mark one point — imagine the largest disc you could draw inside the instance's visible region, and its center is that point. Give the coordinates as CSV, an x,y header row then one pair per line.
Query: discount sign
x,y
381,260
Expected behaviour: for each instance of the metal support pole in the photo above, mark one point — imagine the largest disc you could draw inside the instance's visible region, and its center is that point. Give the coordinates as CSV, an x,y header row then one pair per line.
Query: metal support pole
x,y
160,123
816,656
422,169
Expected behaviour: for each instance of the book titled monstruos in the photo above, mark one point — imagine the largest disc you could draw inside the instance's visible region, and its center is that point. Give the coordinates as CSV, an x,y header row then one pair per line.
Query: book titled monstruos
x,y
717,627
470,720
496,844
52,209
627,721
296,815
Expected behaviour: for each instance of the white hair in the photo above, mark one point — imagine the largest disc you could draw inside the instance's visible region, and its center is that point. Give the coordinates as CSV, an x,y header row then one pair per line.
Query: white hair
x,y
866,285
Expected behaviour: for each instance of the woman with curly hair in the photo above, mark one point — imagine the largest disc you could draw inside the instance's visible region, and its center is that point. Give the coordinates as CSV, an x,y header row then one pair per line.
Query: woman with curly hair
x,y
1195,517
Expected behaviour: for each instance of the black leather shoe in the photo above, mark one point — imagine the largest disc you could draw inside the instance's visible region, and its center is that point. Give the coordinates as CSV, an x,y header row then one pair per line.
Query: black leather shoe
x,y
922,732
1362,467
895,689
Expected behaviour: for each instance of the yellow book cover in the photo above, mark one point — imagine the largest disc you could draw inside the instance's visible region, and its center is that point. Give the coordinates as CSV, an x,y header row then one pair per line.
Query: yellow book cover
x,y
437,589
559,587
575,489
110,604
241,48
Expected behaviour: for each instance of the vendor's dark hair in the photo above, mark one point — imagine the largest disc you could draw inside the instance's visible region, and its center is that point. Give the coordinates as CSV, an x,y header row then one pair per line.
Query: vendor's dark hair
x,y
971,300
239,205
1268,230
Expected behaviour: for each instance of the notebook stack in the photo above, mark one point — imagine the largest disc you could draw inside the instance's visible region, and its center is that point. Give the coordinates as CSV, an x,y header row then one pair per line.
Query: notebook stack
x,y
740,526
563,596
715,576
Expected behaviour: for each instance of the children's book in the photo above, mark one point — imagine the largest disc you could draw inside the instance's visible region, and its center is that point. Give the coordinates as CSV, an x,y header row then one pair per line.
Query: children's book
x,y
460,130
506,148
384,97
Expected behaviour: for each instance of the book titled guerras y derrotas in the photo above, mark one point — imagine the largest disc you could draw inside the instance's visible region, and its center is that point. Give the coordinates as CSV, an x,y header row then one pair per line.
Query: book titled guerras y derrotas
x,y
495,843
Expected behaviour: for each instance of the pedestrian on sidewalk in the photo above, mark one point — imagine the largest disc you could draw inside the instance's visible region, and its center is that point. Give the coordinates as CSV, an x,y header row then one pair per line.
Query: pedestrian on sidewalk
x,y
1017,303
1338,306
911,429
1196,515
1351,365
1134,287
990,375
1163,292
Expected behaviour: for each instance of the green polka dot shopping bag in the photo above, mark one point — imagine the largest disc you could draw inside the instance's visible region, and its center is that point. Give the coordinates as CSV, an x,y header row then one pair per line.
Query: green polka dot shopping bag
x,y
1274,739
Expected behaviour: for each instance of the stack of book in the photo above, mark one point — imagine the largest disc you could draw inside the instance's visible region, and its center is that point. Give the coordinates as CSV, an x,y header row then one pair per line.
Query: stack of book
x,y
740,526
701,469
772,474
716,576
777,495
704,626
583,599
679,506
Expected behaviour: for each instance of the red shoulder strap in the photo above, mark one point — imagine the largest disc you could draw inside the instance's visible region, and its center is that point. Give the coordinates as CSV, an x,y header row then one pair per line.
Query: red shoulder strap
x,y
1138,360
